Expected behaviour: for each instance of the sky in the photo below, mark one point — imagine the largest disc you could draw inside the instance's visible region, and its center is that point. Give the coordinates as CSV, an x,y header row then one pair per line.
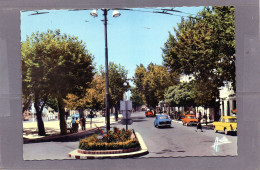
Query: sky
x,y
134,38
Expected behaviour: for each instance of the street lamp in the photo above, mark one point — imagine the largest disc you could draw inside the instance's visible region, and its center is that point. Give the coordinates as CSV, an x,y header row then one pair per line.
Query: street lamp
x,y
115,14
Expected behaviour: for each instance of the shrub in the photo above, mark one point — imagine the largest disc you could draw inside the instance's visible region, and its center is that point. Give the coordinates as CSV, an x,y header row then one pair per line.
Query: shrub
x,y
116,139
132,143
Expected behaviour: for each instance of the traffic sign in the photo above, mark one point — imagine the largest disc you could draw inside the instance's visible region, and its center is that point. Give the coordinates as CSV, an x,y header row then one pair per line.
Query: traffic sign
x,y
126,114
126,105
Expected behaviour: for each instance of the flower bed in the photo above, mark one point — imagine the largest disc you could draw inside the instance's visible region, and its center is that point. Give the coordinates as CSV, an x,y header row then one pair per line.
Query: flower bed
x,y
113,140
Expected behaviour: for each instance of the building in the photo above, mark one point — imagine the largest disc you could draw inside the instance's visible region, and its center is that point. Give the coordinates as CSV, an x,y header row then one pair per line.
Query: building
x,y
227,100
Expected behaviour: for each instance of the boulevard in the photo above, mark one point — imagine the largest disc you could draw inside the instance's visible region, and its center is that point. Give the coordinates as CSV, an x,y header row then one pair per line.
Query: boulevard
x,y
177,141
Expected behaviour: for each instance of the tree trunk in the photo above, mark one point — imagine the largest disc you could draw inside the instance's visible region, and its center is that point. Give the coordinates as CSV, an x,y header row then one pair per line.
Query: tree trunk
x,y
116,114
40,124
63,126
216,111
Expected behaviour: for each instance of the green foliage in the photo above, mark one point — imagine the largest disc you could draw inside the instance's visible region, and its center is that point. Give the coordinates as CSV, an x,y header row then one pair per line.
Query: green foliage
x,y
94,97
183,94
54,65
117,76
136,97
53,103
205,48
152,82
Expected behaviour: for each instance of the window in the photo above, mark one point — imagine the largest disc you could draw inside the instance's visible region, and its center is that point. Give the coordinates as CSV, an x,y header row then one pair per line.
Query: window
x,y
164,117
232,120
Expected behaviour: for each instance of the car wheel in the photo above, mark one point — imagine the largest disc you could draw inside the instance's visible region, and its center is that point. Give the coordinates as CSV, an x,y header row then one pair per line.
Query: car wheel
x,y
215,130
156,126
226,132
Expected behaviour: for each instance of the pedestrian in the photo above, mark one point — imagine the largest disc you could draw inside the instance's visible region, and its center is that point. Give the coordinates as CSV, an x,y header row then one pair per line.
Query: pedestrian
x,y
199,126
77,124
83,123
73,122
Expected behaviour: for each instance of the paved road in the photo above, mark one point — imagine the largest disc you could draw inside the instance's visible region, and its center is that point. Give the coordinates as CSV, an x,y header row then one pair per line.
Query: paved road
x,y
178,141
182,140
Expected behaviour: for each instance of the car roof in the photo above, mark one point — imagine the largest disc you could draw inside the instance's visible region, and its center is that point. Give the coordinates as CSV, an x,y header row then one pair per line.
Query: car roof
x,y
161,115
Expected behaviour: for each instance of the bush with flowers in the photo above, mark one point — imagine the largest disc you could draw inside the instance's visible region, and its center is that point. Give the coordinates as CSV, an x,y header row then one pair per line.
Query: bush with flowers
x,y
116,139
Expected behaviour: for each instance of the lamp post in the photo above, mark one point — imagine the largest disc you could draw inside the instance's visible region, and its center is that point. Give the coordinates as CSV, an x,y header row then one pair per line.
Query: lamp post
x,y
115,14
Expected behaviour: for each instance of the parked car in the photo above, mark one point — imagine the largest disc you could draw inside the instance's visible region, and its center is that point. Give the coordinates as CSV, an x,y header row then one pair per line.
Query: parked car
x,y
162,120
227,124
149,114
189,120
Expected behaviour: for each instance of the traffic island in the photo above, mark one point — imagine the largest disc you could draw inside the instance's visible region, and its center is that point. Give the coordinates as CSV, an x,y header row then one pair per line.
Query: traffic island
x,y
119,153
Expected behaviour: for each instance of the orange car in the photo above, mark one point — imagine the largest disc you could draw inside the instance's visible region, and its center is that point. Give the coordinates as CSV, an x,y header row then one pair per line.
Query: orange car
x,y
149,114
189,120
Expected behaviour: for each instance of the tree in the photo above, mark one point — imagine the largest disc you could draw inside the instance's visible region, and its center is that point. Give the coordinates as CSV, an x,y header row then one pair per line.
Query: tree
x,y
136,98
183,94
57,65
94,96
117,76
152,82
205,48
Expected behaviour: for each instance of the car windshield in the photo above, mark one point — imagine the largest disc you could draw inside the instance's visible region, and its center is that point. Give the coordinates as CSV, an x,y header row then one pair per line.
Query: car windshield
x,y
191,117
163,117
232,120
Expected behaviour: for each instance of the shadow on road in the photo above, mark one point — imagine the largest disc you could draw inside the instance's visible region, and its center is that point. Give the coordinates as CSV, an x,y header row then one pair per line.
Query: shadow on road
x,y
166,127
138,119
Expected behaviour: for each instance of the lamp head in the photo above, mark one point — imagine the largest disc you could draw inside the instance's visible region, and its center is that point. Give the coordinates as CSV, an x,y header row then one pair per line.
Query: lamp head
x,y
94,13
116,13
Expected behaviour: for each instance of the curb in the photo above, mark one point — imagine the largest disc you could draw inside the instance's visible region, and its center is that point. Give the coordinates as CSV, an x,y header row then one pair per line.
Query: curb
x,y
62,138
76,155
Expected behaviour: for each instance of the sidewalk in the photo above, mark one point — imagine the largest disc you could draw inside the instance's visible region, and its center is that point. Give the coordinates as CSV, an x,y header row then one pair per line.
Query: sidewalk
x,y
52,129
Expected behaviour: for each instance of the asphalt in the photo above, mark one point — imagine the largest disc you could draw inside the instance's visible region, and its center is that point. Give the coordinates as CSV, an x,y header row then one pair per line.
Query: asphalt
x,y
81,134
204,126
56,137
143,151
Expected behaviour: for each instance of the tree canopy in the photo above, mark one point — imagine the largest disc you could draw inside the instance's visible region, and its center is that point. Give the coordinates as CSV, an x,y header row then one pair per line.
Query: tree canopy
x,y
182,94
205,48
152,82
118,83
54,65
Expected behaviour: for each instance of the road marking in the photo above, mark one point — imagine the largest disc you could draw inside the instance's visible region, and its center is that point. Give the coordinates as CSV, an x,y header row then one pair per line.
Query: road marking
x,y
220,141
